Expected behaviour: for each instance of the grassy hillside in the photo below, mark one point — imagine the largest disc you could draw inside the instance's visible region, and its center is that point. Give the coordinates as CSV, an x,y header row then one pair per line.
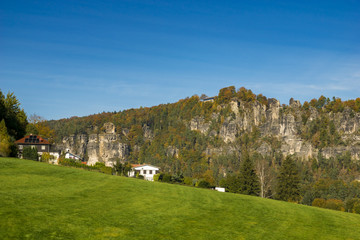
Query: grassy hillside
x,y
41,201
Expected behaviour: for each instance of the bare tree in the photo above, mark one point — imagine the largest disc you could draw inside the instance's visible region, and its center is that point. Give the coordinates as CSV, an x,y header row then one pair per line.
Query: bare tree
x,y
34,119
265,177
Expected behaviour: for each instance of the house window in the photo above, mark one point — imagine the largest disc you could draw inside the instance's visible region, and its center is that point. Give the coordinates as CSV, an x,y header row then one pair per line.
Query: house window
x,y
144,171
43,147
20,146
150,171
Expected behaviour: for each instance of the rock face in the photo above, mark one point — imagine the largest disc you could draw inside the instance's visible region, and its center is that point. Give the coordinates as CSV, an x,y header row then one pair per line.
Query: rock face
x,y
285,124
198,124
109,128
279,128
104,147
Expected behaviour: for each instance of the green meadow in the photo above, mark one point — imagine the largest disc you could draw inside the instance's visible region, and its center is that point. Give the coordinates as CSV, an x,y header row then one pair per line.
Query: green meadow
x,y
42,201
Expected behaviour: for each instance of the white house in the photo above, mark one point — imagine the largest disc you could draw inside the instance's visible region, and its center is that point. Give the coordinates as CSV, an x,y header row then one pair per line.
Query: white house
x,y
72,156
208,99
145,170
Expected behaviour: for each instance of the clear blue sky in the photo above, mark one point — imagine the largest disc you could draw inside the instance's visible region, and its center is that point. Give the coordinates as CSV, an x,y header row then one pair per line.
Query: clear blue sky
x,y
75,58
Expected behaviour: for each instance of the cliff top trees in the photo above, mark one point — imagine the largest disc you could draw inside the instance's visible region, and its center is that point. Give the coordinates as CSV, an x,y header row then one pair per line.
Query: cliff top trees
x,y
225,94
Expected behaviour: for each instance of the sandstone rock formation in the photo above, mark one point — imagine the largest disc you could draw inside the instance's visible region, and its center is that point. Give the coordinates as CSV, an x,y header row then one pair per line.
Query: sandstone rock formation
x,y
272,121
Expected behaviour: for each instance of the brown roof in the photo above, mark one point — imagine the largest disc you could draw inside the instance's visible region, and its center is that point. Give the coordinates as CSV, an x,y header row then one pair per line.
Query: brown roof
x,y
32,140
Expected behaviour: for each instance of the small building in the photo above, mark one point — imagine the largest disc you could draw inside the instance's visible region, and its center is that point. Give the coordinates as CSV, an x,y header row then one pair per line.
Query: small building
x,y
145,170
69,155
41,144
208,99
220,189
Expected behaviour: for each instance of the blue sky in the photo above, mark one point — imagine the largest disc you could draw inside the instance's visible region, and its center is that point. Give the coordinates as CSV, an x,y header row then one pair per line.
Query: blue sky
x,y
75,58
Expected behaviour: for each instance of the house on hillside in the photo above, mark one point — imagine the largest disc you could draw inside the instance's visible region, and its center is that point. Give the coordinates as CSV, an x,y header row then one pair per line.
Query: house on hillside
x,y
41,144
145,170
72,156
208,99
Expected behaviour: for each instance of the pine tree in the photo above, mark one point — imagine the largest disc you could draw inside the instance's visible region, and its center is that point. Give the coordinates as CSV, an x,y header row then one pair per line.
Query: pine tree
x,y
288,187
248,179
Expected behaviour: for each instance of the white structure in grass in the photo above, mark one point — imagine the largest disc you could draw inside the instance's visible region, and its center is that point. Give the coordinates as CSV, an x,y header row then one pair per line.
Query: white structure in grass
x,y
220,189
145,170
72,156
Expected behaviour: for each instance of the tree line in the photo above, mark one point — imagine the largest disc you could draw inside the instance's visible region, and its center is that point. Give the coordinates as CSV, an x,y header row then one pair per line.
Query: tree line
x,y
13,123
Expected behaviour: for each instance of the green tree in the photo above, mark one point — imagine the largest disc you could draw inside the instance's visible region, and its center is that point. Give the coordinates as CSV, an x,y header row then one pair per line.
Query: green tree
x,y
30,153
118,167
288,185
5,142
46,157
225,94
14,116
248,179
231,183
204,184
126,167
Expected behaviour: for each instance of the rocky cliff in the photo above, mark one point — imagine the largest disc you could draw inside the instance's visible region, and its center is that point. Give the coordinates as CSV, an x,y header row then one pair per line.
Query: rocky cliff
x,y
304,131
103,147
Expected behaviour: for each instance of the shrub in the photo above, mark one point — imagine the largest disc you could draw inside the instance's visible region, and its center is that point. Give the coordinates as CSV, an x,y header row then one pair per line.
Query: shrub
x,y
99,165
30,153
106,170
46,157
319,202
188,181
352,205
156,177
356,208
166,178
335,204
204,184
73,163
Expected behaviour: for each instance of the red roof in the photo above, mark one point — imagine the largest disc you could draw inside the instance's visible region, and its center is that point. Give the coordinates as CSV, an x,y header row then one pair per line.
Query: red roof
x,y
32,140
137,165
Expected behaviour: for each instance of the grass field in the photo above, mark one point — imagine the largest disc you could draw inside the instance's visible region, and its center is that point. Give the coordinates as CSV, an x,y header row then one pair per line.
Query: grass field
x,y
41,201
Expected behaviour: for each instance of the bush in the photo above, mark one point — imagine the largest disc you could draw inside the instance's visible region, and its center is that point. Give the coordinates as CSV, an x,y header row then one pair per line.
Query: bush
x,y
106,170
30,153
335,204
99,165
356,208
188,181
319,202
352,205
46,157
166,178
156,177
204,184
77,164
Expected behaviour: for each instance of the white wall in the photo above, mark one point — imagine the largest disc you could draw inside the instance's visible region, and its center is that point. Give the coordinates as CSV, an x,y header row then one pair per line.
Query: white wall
x,y
147,175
